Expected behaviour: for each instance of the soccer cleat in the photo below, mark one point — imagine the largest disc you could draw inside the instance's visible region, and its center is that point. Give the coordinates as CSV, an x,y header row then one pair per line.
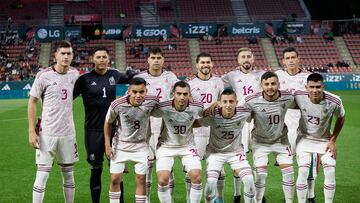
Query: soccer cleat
x,y
237,199
311,200
218,200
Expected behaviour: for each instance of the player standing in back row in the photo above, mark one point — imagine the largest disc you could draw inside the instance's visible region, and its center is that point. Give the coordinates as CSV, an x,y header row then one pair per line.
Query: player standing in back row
x,y
159,84
244,81
317,110
205,88
294,78
98,90
56,135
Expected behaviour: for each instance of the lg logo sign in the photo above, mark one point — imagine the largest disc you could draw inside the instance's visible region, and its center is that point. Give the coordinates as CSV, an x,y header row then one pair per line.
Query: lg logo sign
x,y
43,33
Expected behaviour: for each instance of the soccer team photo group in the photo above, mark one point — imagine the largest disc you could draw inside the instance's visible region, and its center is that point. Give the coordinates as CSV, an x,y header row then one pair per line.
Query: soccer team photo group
x,y
179,101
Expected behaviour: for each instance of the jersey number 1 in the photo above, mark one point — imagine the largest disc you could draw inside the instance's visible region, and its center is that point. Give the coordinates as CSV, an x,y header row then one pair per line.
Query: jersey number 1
x,y
104,92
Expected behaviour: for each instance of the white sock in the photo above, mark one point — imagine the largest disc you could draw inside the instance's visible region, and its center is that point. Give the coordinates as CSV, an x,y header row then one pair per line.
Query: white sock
x,y
260,181
164,194
311,188
249,187
288,183
68,183
237,186
149,180
114,197
188,186
220,186
140,198
301,184
171,185
211,183
42,174
329,183
195,193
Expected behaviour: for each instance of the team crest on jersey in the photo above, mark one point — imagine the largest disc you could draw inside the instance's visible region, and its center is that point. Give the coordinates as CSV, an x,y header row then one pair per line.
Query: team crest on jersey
x,y
304,110
112,80
54,83
197,89
239,80
263,110
325,111
170,120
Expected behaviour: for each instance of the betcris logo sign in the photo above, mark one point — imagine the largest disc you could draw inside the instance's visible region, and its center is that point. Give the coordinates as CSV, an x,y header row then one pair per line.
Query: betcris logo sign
x,y
49,33
246,30
112,31
151,32
198,29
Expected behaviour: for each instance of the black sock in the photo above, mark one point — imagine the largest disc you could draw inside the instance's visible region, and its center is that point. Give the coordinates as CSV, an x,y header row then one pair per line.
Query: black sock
x,y
95,184
122,192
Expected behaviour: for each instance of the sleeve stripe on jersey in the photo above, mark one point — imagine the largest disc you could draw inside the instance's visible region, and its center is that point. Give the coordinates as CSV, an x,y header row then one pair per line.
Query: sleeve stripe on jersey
x,y
242,109
253,96
148,97
299,92
196,103
333,99
283,92
165,103
119,101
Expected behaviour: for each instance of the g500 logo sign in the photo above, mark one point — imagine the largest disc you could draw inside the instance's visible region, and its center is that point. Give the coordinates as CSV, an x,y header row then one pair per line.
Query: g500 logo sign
x,y
151,32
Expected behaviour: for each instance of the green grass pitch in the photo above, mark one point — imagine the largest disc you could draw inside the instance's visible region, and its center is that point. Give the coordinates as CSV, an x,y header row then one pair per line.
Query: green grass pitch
x,y
17,168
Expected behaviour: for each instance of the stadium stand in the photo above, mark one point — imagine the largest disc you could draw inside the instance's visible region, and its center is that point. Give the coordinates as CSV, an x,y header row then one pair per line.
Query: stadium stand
x,y
274,10
225,54
353,44
176,52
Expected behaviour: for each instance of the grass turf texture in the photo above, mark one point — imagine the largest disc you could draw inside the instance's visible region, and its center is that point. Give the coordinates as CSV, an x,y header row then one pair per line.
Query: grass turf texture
x,y
18,169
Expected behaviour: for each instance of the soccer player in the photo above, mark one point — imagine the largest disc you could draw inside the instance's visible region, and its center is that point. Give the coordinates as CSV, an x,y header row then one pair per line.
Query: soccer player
x,y
159,83
98,90
225,145
244,81
205,88
270,134
132,114
317,109
294,78
55,136
177,140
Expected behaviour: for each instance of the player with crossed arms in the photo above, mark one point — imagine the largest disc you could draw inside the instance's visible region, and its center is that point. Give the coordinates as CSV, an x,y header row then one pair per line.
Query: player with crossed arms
x,y
245,80
225,145
132,114
177,140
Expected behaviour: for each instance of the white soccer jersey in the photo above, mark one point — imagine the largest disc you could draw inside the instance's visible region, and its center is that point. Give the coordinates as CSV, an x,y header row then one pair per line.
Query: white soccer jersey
x,y
315,122
133,122
225,133
206,91
56,92
291,83
243,84
177,129
269,126
159,86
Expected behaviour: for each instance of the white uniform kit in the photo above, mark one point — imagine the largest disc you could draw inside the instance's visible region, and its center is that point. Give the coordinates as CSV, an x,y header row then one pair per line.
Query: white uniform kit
x,y
315,133
57,134
129,142
207,92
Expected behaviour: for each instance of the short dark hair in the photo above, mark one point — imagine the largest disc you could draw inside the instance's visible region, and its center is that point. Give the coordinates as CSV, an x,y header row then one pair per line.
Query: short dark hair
x,y
228,91
99,49
62,44
137,81
268,75
315,77
155,50
290,49
182,84
202,54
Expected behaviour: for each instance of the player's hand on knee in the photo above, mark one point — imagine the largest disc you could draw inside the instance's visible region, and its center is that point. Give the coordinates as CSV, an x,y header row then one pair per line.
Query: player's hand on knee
x,y
331,147
109,152
34,140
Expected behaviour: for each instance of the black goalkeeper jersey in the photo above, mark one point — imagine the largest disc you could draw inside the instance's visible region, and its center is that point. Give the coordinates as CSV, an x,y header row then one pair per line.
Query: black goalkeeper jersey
x,y
98,91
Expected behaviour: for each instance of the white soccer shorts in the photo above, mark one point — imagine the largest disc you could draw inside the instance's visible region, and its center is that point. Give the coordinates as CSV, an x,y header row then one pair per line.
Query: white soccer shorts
x,y
140,158
64,148
216,161
261,152
188,155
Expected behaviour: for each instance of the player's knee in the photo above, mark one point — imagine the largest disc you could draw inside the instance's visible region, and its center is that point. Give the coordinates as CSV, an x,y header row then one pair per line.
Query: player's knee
x,y
248,180
141,179
115,180
195,176
163,180
261,174
303,173
329,173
